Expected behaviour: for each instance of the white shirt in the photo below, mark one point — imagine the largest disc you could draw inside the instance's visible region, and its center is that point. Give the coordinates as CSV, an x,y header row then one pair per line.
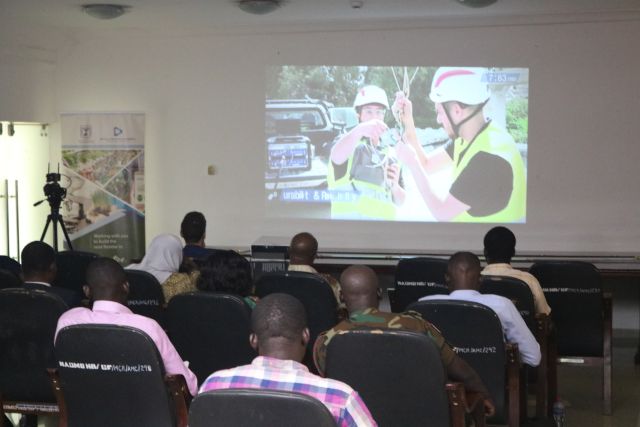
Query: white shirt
x,y
513,326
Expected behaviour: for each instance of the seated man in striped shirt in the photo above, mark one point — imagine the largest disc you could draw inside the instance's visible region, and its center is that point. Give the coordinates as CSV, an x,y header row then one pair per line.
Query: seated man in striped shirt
x,y
280,336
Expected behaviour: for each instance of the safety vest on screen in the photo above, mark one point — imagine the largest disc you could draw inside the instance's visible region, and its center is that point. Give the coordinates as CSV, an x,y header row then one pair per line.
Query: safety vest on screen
x,y
353,198
496,141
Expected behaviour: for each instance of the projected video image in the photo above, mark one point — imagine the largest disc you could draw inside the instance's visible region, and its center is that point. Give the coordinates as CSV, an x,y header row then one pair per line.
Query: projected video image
x,y
437,144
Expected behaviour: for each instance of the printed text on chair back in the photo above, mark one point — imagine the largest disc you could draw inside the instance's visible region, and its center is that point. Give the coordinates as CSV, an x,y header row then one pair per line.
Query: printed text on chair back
x,y
416,278
112,376
475,333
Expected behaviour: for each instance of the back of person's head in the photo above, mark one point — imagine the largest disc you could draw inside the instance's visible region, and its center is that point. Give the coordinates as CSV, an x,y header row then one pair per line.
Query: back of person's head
x,y
38,258
279,325
359,288
499,245
193,227
463,271
303,249
226,271
106,280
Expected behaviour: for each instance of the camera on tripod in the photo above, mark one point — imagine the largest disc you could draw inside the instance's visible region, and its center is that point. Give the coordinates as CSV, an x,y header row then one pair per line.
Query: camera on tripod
x,y
54,193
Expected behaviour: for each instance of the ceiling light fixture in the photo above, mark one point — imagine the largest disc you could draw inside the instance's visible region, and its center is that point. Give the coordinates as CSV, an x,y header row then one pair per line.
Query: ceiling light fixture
x,y
104,11
259,7
477,3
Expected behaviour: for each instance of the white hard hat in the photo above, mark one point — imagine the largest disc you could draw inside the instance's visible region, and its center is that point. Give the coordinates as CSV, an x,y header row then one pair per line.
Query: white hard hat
x,y
371,95
462,84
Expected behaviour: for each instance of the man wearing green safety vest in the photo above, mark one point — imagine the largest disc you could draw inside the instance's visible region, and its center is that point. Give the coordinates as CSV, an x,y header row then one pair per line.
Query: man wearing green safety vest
x,y
364,177
489,183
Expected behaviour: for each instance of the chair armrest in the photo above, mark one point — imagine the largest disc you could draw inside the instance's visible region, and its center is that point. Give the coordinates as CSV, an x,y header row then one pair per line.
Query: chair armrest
x,y
54,376
463,402
543,331
181,397
513,383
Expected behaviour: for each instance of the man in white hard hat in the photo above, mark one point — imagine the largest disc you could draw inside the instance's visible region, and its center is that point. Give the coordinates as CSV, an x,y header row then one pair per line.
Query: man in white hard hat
x,y
364,177
489,183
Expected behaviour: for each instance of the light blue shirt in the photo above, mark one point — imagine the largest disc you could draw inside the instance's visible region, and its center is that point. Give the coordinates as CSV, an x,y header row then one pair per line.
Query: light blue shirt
x,y
513,326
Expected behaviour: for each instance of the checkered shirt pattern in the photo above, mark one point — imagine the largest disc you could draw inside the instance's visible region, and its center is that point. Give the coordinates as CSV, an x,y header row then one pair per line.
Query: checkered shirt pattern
x,y
264,372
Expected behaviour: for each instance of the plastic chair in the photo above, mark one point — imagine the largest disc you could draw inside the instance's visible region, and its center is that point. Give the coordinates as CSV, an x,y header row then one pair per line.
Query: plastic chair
x,y
475,333
581,316
28,322
113,376
210,330
416,278
258,407
421,397
72,266
314,293
145,295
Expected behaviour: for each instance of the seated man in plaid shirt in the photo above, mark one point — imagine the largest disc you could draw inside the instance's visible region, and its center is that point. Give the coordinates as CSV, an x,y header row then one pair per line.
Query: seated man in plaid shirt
x,y
280,336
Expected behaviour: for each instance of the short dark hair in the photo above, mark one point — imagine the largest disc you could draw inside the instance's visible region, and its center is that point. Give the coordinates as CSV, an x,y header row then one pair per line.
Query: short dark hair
x,y
37,257
193,226
105,273
500,244
462,257
226,271
278,315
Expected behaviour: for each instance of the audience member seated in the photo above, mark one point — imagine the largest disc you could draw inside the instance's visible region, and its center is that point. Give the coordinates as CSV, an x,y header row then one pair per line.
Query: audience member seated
x,y
280,337
361,294
303,250
499,248
162,260
193,230
39,269
463,279
229,272
107,288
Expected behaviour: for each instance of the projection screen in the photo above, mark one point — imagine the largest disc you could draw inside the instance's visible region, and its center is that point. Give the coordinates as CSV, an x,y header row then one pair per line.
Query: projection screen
x,y
402,143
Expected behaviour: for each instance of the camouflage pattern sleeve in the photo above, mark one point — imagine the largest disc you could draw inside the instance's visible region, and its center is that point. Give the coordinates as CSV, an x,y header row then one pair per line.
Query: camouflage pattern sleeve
x,y
323,340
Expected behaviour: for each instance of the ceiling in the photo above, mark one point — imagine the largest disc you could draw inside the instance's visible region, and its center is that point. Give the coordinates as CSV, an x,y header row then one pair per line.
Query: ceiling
x,y
36,21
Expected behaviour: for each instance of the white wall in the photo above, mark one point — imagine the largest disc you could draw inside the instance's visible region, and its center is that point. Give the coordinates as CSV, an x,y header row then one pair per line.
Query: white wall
x,y
204,97
27,84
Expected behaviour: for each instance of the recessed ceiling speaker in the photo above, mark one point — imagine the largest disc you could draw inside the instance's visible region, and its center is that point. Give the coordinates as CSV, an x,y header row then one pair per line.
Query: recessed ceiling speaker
x,y
104,11
259,7
477,3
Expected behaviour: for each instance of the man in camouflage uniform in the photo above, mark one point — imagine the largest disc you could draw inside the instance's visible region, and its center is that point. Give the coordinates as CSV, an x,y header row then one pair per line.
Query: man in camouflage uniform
x,y
361,294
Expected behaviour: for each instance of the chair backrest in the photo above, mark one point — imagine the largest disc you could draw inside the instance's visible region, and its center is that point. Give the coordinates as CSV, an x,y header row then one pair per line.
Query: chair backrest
x,y
72,266
475,333
398,374
258,407
210,330
314,293
112,376
8,263
28,320
517,291
573,290
145,295
9,280
416,278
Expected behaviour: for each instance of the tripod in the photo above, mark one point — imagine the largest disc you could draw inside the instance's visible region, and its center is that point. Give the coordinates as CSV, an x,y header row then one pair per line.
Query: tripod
x,y
55,218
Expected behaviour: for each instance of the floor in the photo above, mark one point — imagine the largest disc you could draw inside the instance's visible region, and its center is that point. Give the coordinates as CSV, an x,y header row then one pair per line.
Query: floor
x,y
581,388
